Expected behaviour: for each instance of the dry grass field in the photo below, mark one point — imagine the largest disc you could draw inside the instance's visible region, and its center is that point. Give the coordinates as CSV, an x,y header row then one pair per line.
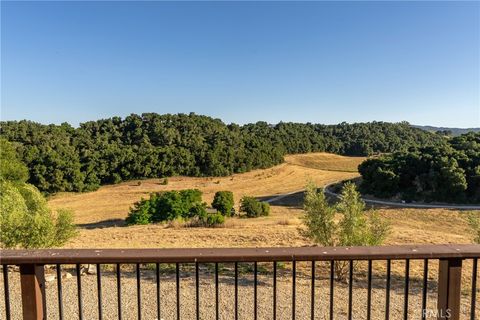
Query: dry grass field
x,y
325,161
100,214
113,202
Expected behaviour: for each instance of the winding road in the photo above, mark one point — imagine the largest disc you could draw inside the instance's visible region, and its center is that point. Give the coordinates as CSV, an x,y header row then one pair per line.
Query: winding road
x,y
384,203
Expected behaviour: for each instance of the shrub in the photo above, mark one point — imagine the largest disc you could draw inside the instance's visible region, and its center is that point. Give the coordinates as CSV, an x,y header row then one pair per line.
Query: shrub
x,y
473,219
198,210
27,222
167,206
179,208
254,208
318,218
25,219
265,208
213,219
164,182
223,202
65,228
140,213
356,227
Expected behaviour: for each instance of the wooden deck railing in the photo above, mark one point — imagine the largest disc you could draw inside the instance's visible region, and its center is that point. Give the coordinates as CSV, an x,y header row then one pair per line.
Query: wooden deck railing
x,y
450,258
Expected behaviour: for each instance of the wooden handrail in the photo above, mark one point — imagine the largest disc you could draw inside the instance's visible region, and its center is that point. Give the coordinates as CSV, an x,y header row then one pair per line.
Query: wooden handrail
x,y
72,256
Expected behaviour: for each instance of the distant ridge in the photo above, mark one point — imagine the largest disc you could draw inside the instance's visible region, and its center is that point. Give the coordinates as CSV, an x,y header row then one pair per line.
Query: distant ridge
x,y
454,131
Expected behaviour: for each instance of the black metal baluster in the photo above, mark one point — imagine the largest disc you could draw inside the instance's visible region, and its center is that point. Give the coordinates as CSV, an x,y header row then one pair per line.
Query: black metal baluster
x,y
157,271
119,293
59,292
99,291
350,290
236,290
332,274
312,293
79,292
197,291
294,276
407,282
369,292
387,291
274,290
255,291
474,289
43,285
424,289
139,293
217,314
6,288
177,275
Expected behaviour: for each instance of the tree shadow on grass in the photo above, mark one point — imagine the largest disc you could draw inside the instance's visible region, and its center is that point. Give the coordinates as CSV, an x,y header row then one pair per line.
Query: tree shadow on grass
x,y
103,224
294,200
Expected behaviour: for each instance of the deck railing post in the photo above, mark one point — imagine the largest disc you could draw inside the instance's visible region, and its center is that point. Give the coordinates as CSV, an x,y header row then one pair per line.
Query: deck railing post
x,y
32,279
449,287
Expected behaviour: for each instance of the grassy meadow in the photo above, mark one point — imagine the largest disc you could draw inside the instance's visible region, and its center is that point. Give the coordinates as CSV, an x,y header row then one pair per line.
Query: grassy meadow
x,y
100,214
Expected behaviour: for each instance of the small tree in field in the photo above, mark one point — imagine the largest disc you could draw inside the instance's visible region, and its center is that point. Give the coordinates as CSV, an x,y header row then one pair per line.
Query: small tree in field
x,y
223,202
356,226
473,219
319,217
254,208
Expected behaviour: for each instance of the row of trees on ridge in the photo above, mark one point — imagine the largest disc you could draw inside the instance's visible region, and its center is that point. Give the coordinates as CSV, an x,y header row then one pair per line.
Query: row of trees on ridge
x,y
64,158
447,173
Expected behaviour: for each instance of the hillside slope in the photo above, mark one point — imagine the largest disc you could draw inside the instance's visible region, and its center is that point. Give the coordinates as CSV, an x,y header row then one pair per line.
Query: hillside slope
x,y
113,201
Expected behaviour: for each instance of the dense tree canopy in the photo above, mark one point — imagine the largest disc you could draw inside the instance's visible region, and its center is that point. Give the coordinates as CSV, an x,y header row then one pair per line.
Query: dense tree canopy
x,y
447,173
63,158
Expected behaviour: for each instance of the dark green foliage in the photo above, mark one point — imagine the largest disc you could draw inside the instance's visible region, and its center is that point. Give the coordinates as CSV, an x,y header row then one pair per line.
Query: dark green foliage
x,y
11,169
254,208
63,158
25,219
141,213
197,210
168,206
213,219
265,208
446,173
223,202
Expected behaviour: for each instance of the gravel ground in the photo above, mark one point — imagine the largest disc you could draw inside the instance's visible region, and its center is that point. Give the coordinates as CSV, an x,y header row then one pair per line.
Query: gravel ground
x,y
226,288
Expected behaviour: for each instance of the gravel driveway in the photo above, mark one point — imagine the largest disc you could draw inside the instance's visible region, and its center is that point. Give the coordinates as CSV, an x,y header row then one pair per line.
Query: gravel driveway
x,y
226,288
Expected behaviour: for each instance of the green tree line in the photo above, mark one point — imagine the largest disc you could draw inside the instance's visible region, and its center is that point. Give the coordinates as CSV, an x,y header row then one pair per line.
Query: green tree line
x,y
448,172
64,158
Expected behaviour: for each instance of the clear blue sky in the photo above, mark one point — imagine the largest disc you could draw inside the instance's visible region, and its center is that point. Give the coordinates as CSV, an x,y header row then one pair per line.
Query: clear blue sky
x,y
317,62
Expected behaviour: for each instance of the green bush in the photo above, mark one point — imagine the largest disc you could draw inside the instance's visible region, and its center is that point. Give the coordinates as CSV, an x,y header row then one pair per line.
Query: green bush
x,y
167,206
254,208
27,222
25,219
198,210
185,206
473,219
223,202
356,226
213,219
265,208
140,213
